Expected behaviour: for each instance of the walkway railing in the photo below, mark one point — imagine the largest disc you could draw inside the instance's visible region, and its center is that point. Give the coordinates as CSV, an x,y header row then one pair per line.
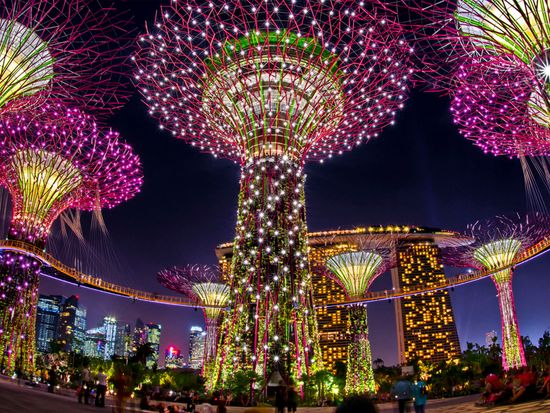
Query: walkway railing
x,y
91,281
450,282
98,283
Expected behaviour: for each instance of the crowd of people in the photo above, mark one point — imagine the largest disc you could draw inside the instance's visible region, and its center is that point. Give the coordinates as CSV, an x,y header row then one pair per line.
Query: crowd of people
x,y
515,386
97,386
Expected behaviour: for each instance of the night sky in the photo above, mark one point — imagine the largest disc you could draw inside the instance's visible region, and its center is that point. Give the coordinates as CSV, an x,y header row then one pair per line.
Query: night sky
x,y
419,172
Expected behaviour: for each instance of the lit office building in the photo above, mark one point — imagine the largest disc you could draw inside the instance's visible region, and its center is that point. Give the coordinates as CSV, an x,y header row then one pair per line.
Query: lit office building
x,y
173,358
196,347
110,325
153,332
47,321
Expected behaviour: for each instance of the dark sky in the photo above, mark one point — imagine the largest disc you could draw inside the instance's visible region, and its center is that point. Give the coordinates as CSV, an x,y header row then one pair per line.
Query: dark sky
x,y
418,172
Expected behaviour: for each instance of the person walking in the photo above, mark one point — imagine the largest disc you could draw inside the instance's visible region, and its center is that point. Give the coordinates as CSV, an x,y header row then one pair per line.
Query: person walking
x,y
86,383
52,379
280,398
101,388
401,391
120,384
420,396
292,399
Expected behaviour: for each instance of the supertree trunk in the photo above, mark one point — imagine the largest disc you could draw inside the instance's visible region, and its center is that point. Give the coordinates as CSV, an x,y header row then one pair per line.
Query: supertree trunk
x,y
19,280
271,325
210,342
359,374
512,348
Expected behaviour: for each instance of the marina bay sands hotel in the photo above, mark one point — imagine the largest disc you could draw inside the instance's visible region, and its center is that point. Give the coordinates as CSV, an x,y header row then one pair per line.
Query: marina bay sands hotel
x,y
425,323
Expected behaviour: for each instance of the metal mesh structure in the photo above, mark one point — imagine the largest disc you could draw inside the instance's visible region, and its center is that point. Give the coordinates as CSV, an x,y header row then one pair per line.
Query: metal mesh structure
x,y
72,50
498,241
356,271
201,284
271,85
51,159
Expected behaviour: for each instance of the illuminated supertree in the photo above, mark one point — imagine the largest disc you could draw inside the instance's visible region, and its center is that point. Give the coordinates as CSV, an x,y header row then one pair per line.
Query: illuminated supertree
x,y
272,84
71,50
51,159
201,284
355,272
498,243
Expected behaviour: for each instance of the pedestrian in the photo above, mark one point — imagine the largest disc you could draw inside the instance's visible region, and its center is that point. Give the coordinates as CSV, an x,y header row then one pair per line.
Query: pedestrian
x,y
420,396
292,399
86,383
119,383
52,379
101,388
280,397
401,391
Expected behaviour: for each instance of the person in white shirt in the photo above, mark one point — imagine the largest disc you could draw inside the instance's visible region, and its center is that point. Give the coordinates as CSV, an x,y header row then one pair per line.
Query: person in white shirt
x,y
101,388
86,384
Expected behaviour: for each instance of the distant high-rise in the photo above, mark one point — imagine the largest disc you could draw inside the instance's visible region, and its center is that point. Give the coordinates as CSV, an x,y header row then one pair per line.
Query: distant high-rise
x,y
47,321
72,325
173,358
140,335
426,328
110,328
80,324
153,338
196,347
123,342
94,344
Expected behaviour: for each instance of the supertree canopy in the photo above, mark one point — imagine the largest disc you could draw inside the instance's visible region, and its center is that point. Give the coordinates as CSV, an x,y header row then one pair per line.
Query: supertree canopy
x,y
499,55
498,243
519,27
202,284
272,84
52,159
500,105
355,272
72,50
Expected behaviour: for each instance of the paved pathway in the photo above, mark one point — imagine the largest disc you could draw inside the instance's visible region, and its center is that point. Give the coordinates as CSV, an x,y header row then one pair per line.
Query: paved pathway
x,y
23,399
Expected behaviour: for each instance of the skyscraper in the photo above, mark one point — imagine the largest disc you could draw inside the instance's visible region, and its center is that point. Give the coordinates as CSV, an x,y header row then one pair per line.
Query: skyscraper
x,y
110,328
123,341
72,325
47,321
196,347
173,358
94,344
153,338
140,335
426,328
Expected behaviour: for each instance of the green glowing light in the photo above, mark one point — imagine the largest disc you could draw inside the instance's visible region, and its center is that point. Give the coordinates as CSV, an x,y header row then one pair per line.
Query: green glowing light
x,y
521,27
26,65
355,270
497,254
43,179
214,294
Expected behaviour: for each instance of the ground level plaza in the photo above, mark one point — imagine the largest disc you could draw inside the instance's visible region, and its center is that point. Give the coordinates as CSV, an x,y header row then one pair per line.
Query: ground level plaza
x,y
23,399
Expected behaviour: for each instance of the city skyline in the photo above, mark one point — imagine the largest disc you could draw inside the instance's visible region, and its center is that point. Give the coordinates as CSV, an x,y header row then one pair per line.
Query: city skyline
x,y
418,172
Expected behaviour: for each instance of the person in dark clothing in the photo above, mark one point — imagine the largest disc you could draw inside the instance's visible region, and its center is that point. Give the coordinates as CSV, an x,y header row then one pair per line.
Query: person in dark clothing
x,y
401,391
52,379
292,399
357,404
280,398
